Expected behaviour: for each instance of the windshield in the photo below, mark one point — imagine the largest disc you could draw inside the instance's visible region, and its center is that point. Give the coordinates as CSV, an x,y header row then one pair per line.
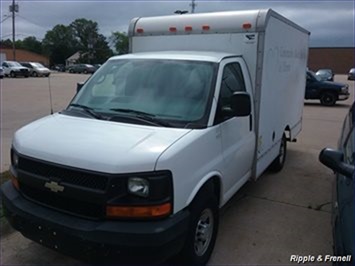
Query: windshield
x,y
14,64
173,90
38,65
314,76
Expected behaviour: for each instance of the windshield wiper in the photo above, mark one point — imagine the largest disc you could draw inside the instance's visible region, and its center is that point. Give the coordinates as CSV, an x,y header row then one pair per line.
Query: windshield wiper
x,y
88,110
143,116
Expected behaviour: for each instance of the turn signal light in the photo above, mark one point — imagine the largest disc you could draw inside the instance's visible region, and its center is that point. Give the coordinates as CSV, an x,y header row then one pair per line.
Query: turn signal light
x,y
15,182
247,26
155,211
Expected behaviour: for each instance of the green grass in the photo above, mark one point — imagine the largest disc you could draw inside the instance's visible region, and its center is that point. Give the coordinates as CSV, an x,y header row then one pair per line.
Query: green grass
x,y
4,176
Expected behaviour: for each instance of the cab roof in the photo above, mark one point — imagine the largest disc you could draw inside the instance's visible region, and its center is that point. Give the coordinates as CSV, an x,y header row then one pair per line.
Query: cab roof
x,y
214,57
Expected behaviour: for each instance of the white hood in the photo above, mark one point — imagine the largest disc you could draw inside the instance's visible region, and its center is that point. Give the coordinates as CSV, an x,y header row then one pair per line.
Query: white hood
x,y
97,145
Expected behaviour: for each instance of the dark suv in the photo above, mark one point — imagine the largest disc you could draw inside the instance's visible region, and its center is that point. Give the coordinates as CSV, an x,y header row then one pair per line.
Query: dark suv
x,y
81,68
327,92
342,162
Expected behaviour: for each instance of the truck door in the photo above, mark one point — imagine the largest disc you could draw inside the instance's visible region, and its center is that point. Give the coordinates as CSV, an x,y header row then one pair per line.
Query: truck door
x,y
237,133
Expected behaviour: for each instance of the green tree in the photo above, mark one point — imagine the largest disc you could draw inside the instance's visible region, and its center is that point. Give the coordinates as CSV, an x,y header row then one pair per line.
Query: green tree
x,y
32,44
120,42
6,43
60,43
93,46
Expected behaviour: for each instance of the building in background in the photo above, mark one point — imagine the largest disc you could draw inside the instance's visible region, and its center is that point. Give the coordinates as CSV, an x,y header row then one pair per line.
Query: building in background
x,y
24,56
340,60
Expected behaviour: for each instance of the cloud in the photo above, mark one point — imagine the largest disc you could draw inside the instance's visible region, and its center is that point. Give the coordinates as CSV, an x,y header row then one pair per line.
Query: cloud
x,y
330,22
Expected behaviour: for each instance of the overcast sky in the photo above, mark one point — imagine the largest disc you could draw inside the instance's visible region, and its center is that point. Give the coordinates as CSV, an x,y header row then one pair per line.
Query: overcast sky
x,y
331,23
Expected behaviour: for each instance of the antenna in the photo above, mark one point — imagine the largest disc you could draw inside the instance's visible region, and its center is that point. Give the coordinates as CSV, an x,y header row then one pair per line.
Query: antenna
x,y
50,94
193,5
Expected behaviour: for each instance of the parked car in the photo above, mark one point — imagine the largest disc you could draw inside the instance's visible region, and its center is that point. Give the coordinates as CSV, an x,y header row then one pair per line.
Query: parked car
x,y
14,69
81,68
1,72
351,74
325,74
327,92
37,69
342,162
59,67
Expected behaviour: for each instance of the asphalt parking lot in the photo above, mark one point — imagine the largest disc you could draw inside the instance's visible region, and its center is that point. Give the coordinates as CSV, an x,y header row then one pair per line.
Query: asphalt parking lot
x,y
266,222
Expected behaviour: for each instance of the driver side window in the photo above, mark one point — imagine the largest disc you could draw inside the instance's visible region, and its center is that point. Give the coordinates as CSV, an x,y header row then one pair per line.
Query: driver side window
x,y
232,81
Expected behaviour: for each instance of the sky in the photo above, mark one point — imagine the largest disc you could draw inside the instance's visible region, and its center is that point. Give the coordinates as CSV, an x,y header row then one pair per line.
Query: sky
x,y
331,23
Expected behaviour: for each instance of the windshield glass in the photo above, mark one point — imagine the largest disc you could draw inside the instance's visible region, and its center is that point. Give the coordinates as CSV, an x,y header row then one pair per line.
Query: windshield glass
x,y
314,76
38,65
173,90
14,64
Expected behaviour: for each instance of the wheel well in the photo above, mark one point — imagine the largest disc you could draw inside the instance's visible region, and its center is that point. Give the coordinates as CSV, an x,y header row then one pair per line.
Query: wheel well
x,y
212,185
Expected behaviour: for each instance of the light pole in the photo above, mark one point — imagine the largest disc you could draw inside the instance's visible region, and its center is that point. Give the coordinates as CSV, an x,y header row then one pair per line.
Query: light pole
x,y
13,8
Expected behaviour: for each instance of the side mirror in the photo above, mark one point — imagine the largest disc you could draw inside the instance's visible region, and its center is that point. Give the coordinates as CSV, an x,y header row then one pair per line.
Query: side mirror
x,y
241,104
334,160
79,85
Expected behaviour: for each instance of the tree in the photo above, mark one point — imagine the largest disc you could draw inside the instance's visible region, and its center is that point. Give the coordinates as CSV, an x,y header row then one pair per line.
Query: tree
x,y
93,46
60,43
32,44
120,42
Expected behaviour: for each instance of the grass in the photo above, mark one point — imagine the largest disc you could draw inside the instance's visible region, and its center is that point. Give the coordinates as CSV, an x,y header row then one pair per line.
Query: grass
x,y
4,176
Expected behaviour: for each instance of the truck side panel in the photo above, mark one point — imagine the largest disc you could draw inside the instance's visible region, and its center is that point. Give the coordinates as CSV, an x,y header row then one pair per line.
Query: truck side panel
x,y
282,88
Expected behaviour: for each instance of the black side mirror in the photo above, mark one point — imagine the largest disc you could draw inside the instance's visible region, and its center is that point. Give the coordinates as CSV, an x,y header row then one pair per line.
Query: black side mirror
x,y
334,160
241,104
79,85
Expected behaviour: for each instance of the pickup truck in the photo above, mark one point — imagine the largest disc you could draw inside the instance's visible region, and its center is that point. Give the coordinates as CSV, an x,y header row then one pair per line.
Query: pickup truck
x,y
326,91
155,142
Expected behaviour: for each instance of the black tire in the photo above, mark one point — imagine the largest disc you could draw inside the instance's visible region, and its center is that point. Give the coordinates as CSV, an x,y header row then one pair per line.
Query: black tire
x,y
203,228
328,99
71,71
279,162
12,74
34,74
85,71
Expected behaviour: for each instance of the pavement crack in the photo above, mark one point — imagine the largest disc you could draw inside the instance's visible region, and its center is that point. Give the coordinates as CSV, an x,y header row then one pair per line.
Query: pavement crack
x,y
317,208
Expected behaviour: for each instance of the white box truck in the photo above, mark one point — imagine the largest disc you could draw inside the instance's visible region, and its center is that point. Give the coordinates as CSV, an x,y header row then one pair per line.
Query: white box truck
x,y
158,140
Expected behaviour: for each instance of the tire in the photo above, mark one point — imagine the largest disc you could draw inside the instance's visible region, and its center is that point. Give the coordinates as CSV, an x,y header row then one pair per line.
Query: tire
x,y
85,71
71,71
328,99
203,228
12,74
279,162
34,74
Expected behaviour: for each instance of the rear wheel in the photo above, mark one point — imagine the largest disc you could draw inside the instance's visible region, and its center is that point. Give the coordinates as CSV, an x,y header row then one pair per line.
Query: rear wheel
x,y
203,228
328,99
279,161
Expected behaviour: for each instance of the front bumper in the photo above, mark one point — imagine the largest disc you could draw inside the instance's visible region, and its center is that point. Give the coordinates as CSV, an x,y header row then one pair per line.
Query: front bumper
x,y
122,241
343,97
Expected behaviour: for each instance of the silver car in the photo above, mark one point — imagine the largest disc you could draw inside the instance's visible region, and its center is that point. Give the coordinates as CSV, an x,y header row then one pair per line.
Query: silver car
x,y
351,74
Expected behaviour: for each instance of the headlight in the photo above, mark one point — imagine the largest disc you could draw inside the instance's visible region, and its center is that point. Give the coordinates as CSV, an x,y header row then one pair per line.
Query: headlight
x,y
14,158
138,186
345,89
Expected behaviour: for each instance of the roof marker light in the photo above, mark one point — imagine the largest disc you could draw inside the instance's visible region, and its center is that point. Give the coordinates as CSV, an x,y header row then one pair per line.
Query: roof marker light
x,y
172,29
188,28
246,25
140,30
205,27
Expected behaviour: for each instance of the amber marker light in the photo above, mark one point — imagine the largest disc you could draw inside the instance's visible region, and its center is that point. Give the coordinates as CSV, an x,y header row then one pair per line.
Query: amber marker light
x,y
15,182
154,211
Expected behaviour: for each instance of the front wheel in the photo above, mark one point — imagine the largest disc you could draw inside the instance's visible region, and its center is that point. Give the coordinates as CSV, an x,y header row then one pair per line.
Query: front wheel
x,y
12,74
328,99
203,229
279,161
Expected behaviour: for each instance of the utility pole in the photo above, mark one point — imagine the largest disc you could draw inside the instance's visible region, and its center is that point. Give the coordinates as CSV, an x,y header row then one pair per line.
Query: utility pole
x,y
193,5
13,8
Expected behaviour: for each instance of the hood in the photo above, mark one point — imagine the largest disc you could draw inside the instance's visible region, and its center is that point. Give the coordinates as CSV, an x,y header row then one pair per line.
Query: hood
x,y
97,145
331,84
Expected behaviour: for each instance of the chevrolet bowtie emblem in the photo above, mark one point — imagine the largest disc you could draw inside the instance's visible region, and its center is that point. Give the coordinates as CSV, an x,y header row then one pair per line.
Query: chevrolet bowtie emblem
x,y
54,186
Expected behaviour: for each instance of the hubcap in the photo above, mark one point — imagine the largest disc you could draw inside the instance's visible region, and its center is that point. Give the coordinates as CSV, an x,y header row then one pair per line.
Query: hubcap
x,y
204,231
